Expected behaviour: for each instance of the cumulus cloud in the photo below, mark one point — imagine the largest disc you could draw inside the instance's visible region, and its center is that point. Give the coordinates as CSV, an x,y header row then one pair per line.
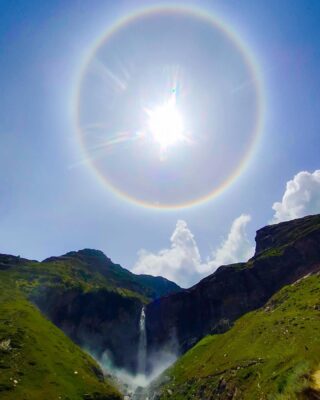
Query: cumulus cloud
x,y
236,247
182,262
301,197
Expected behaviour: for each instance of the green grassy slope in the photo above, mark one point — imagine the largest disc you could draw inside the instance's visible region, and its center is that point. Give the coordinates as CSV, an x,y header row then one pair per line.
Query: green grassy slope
x,y
37,361
95,262
66,275
271,353
95,302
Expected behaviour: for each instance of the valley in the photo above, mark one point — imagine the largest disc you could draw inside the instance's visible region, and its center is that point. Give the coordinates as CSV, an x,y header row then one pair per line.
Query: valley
x,y
247,331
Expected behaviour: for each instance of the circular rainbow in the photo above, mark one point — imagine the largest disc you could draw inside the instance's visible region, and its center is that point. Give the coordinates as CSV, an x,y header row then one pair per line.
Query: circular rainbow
x,y
250,62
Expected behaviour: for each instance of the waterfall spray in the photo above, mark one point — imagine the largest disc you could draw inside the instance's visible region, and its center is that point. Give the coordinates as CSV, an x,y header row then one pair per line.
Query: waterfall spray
x,y
142,349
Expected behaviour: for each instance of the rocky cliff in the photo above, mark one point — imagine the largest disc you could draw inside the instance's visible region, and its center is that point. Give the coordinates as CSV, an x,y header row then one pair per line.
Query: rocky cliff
x,y
269,353
95,302
98,303
103,322
284,253
37,361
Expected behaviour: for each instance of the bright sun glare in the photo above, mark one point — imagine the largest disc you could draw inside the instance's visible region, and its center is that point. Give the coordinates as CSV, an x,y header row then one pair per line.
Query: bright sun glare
x,y
166,124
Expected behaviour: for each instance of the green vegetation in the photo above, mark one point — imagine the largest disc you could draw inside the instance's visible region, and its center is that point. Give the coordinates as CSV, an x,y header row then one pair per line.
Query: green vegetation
x,y
272,353
286,233
95,261
273,252
66,274
37,361
88,270
269,354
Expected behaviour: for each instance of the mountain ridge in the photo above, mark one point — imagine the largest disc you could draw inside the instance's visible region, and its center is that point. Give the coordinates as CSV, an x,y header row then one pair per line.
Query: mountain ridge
x,y
95,302
231,291
98,304
269,353
156,286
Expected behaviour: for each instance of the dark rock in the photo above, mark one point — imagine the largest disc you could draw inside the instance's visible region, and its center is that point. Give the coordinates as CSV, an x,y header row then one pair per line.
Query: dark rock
x,y
105,320
211,306
281,234
97,321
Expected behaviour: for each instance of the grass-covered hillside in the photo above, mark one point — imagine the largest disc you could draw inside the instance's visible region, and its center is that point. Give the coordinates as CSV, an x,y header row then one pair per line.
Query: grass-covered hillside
x,y
272,353
284,253
37,360
95,267
94,301
63,274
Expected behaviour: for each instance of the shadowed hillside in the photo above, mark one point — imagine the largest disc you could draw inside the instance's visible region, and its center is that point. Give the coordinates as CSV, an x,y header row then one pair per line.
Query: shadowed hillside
x,y
98,304
37,361
95,302
285,253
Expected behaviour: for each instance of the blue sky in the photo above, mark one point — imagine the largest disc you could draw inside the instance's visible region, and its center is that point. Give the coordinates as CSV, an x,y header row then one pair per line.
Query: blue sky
x,y
48,207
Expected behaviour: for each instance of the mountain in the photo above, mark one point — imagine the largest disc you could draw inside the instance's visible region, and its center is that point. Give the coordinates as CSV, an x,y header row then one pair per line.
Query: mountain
x,y
284,253
95,302
96,261
37,361
271,353
262,318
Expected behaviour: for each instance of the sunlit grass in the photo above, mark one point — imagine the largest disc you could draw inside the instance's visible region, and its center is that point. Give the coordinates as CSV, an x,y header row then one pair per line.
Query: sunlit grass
x,y
269,354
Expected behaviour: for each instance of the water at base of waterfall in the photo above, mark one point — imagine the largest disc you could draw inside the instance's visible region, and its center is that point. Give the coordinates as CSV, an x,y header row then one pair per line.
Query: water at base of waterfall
x,y
136,386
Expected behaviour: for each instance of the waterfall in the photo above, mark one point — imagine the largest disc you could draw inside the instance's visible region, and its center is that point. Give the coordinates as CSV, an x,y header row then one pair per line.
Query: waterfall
x,y
142,349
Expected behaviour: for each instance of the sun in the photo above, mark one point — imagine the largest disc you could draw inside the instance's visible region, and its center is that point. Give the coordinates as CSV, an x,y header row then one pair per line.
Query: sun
x,y
165,123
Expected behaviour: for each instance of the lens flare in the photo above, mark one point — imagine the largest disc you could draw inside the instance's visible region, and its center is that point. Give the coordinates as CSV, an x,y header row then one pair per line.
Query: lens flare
x,y
165,123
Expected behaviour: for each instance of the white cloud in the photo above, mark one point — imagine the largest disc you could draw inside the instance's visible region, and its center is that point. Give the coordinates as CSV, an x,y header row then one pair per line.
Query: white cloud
x,y
301,197
182,262
236,247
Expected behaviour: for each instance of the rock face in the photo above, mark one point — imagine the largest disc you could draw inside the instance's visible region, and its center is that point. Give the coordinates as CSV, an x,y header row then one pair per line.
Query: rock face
x,y
284,253
275,236
104,323
104,319
98,303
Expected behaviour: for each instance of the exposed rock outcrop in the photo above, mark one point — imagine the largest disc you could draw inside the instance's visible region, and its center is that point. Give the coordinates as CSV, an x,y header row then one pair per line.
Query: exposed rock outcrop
x,y
284,253
102,314
98,303
98,321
